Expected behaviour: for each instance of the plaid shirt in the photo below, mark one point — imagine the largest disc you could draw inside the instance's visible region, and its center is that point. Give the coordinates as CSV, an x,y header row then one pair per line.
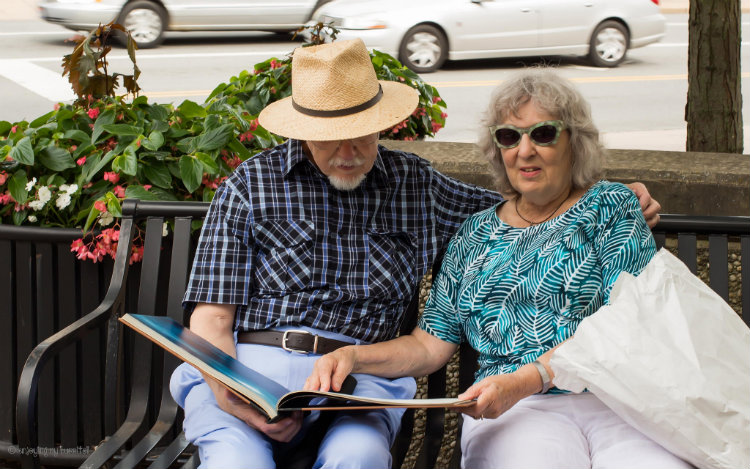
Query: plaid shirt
x,y
289,249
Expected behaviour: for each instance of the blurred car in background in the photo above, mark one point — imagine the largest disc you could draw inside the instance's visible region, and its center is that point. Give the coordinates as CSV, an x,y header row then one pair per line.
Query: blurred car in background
x,y
147,20
424,33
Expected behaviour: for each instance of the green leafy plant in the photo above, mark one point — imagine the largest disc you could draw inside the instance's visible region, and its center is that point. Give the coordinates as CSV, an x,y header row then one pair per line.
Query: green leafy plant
x,y
73,166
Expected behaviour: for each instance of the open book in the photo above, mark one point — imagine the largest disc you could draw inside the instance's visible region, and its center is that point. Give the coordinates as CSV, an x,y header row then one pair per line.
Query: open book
x,y
266,395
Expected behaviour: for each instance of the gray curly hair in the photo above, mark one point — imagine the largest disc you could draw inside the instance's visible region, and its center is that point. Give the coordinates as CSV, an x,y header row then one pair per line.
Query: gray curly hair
x,y
558,97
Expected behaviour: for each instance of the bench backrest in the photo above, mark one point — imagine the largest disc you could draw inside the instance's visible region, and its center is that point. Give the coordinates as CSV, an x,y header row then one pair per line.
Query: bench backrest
x,y
129,401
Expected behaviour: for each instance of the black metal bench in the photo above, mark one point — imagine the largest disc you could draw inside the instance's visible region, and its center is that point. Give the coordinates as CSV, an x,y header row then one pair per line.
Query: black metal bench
x,y
141,421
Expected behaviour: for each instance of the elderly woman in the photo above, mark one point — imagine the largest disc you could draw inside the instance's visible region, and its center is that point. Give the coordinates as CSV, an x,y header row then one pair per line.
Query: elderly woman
x,y
516,281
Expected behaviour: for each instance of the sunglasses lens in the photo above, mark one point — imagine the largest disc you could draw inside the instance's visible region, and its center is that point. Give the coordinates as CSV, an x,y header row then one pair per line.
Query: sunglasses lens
x,y
507,137
544,134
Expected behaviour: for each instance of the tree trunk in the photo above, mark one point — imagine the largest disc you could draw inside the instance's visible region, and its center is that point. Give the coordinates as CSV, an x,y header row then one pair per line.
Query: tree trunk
x,y
714,101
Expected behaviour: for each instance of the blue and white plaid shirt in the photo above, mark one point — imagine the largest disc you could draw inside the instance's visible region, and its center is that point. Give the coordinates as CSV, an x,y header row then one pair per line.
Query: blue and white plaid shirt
x,y
289,249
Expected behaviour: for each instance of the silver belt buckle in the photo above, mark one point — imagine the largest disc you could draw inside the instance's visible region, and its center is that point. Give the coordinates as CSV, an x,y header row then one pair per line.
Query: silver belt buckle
x,y
285,337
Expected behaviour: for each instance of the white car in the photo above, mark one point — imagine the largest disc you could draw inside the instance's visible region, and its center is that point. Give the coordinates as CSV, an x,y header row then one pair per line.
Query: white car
x,y
147,20
424,33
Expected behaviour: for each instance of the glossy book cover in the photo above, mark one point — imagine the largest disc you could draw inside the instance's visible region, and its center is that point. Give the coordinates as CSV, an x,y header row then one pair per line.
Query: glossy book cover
x,y
265,394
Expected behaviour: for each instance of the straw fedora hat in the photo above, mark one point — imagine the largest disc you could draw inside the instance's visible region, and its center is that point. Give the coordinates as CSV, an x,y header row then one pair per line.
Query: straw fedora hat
x,y
337,96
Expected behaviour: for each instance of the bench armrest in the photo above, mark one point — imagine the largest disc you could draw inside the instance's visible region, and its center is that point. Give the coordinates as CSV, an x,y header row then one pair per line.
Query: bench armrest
x,y
26,412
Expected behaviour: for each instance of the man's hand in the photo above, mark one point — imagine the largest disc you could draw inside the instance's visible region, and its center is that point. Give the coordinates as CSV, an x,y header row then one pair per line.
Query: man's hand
x,y
283,430
214,322
331,369
649,206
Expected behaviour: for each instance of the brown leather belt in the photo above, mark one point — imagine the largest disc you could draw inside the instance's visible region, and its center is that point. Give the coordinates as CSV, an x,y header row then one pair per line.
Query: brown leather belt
x,y
292,341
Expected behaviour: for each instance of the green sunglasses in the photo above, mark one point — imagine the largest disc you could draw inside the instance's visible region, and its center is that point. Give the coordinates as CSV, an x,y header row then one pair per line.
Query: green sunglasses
x,y
543,133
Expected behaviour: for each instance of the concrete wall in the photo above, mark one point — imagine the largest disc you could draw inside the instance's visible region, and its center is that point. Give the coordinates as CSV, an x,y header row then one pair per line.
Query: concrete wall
x,y
683,182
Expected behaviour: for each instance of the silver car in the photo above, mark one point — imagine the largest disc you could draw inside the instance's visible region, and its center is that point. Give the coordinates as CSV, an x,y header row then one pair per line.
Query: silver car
x,y
147,20
424,33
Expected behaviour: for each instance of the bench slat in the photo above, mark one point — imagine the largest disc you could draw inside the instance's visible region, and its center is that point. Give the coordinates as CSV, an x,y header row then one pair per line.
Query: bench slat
x,y
68,360
45,315
7,342
686,250
718,262
91,362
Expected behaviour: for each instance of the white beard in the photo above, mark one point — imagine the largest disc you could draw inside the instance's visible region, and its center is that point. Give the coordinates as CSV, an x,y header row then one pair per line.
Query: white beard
x,y
346,184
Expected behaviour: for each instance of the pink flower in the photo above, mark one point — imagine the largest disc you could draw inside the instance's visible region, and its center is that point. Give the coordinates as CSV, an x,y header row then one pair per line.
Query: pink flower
x,y
112,177
100,205
3,177
436,99
246,137
93,112
253,125
5,199
436,126
136,254
56,106
147,186
81,161
232,161
274,64
14,129
76,245
119,192
73,148
443,115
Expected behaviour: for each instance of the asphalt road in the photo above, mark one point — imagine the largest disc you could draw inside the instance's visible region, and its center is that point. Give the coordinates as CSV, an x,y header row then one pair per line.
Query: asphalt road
x,y
640,104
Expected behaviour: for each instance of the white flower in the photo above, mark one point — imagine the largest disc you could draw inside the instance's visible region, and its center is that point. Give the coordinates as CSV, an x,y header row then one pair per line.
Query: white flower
x,y
44,194
63,200
106,218
32,218
69,189
165,229
36,205
30,184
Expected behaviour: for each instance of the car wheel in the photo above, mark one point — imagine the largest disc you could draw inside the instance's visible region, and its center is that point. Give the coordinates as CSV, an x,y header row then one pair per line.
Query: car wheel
x,y
609,43
146,22
424,49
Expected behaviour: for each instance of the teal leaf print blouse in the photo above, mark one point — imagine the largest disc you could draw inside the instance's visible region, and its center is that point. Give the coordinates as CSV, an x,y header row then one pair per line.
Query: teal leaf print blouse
x,y
514,293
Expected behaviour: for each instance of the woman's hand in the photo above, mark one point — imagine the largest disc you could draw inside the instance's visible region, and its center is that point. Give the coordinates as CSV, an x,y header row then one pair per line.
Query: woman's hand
x,y
494,394
498,393
331,369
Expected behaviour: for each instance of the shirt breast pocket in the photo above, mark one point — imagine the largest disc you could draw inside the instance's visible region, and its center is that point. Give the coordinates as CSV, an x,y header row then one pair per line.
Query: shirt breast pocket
x,y
392,264
283,255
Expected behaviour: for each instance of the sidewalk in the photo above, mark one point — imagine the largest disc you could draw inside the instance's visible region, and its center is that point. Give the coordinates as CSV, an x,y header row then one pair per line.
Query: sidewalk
x,y
26,9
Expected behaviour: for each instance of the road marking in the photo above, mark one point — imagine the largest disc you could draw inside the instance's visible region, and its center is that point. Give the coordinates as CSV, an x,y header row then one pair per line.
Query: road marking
x,y
41,33
42,81
615,79
146,56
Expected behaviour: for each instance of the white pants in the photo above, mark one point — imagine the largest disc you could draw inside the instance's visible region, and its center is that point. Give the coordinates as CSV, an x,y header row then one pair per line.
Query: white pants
x,y
356,439
570,431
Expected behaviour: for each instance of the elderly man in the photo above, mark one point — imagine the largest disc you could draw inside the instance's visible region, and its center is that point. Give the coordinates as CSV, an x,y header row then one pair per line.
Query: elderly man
x,y
313,245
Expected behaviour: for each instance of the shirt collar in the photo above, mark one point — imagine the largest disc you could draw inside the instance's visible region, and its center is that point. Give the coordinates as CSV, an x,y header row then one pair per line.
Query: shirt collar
x,y
295,155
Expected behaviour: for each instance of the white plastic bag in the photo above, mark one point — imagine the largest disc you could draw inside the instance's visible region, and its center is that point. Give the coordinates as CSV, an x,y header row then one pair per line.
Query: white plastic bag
x,y
671,358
